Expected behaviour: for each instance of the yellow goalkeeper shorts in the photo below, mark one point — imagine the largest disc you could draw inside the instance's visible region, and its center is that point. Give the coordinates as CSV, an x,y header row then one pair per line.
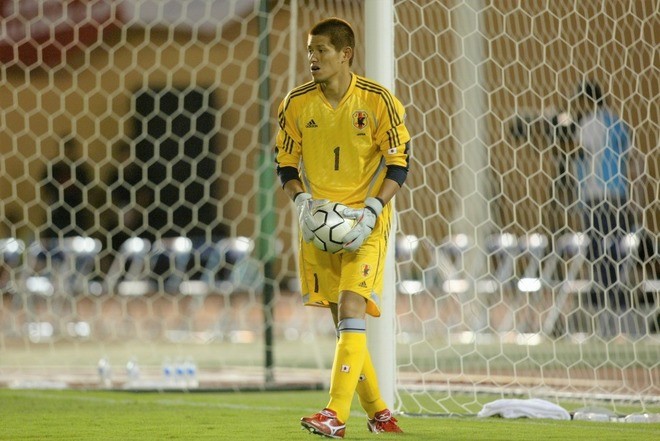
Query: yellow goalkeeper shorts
x,y
324,275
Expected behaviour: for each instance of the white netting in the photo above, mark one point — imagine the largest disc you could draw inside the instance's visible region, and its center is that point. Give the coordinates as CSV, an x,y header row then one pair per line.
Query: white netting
x,y
163,111
502,296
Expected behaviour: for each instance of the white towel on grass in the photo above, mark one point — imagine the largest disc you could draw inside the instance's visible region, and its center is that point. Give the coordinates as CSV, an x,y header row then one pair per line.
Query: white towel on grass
x,y
532,408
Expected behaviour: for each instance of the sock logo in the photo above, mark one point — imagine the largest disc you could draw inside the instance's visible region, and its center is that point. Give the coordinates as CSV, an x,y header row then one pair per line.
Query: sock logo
x,y
345,368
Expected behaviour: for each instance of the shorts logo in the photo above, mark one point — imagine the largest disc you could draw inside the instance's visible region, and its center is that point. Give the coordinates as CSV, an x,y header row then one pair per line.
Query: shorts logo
x,y
345,368
365,270
360,119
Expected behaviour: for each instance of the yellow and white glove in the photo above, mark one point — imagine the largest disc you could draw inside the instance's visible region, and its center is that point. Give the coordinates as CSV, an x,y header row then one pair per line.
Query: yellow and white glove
x,y
304,206
366,220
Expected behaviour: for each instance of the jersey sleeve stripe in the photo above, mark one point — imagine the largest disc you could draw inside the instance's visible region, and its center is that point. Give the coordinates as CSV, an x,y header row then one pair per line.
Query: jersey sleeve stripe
x,y
298,91
394,117
288,143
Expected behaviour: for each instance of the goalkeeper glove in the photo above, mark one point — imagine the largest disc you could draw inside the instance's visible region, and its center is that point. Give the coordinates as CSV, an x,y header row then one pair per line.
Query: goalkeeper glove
x,y
304,204
366,220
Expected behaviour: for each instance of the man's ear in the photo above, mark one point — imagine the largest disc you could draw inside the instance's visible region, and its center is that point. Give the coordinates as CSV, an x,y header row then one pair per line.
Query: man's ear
x,y
348,54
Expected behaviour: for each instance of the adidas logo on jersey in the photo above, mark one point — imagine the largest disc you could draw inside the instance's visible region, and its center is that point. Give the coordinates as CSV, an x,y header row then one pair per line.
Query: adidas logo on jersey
x,y
311,124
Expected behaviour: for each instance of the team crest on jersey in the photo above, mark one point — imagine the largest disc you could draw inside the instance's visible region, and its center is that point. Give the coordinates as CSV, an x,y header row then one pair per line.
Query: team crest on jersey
x,y
365,270
360,121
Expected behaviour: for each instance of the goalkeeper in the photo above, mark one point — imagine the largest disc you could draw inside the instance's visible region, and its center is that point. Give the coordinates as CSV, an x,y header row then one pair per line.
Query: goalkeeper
x,y
342,138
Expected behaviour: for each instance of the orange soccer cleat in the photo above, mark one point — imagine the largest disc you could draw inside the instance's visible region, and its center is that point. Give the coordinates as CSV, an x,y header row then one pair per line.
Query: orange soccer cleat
x,y
383,421
324,423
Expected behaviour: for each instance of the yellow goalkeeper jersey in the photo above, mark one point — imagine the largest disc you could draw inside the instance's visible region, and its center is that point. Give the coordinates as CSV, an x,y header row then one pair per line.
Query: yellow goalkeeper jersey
x,y
341,153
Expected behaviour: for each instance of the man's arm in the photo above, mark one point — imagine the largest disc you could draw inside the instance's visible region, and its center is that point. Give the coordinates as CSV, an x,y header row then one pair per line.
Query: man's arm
x,y
293,188
387,191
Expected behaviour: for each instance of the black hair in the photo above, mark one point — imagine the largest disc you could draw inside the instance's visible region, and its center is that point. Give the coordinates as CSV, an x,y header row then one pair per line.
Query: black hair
x,y
339,31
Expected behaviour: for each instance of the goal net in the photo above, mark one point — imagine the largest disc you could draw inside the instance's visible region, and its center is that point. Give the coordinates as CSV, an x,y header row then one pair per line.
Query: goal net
x,y
145,243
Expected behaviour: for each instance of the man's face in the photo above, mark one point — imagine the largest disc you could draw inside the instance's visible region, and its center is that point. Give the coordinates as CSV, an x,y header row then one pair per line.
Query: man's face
x,y
324,60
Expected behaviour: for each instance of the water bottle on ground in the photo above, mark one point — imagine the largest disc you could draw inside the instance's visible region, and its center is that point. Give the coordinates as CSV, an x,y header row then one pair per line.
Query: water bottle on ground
x,y
105,373
190,371
179,374
132,372
593,414
167,370
642,418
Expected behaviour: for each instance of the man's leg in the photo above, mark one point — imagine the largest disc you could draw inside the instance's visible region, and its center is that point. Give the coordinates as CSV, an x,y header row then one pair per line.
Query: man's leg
x,y
352,353
349,359
347,366
368,390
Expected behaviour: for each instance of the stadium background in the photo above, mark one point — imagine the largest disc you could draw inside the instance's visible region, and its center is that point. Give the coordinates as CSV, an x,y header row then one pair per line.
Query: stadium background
x,y
534,54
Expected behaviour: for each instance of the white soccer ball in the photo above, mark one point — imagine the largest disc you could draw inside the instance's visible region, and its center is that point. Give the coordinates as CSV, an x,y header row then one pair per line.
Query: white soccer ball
x,y
329,236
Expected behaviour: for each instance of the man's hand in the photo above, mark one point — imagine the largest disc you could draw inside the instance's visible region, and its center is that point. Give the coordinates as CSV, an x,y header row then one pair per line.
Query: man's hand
x,y
304,205
366,220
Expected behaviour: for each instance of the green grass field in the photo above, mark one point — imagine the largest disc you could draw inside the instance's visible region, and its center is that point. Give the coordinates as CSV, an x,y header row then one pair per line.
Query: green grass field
x,y
273,416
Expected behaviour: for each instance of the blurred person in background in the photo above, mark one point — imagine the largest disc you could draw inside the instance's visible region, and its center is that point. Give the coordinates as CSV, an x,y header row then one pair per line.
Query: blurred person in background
x,y
601,167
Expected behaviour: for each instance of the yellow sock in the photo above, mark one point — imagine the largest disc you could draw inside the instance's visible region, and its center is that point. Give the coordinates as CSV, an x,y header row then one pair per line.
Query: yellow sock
x,y
368,390
347,366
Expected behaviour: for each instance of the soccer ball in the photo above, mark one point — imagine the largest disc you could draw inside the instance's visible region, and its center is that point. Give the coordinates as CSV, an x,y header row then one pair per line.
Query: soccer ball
x,y
329,236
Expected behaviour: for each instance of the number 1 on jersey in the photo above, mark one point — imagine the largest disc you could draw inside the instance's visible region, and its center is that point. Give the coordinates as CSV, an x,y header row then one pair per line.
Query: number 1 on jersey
x,y
336,151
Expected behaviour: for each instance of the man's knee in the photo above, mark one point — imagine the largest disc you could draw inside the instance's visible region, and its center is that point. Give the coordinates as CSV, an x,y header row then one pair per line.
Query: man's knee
x,y
351,305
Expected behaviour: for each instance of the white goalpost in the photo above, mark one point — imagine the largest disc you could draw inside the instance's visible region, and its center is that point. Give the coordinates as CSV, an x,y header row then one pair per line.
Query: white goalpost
x,y
379,65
